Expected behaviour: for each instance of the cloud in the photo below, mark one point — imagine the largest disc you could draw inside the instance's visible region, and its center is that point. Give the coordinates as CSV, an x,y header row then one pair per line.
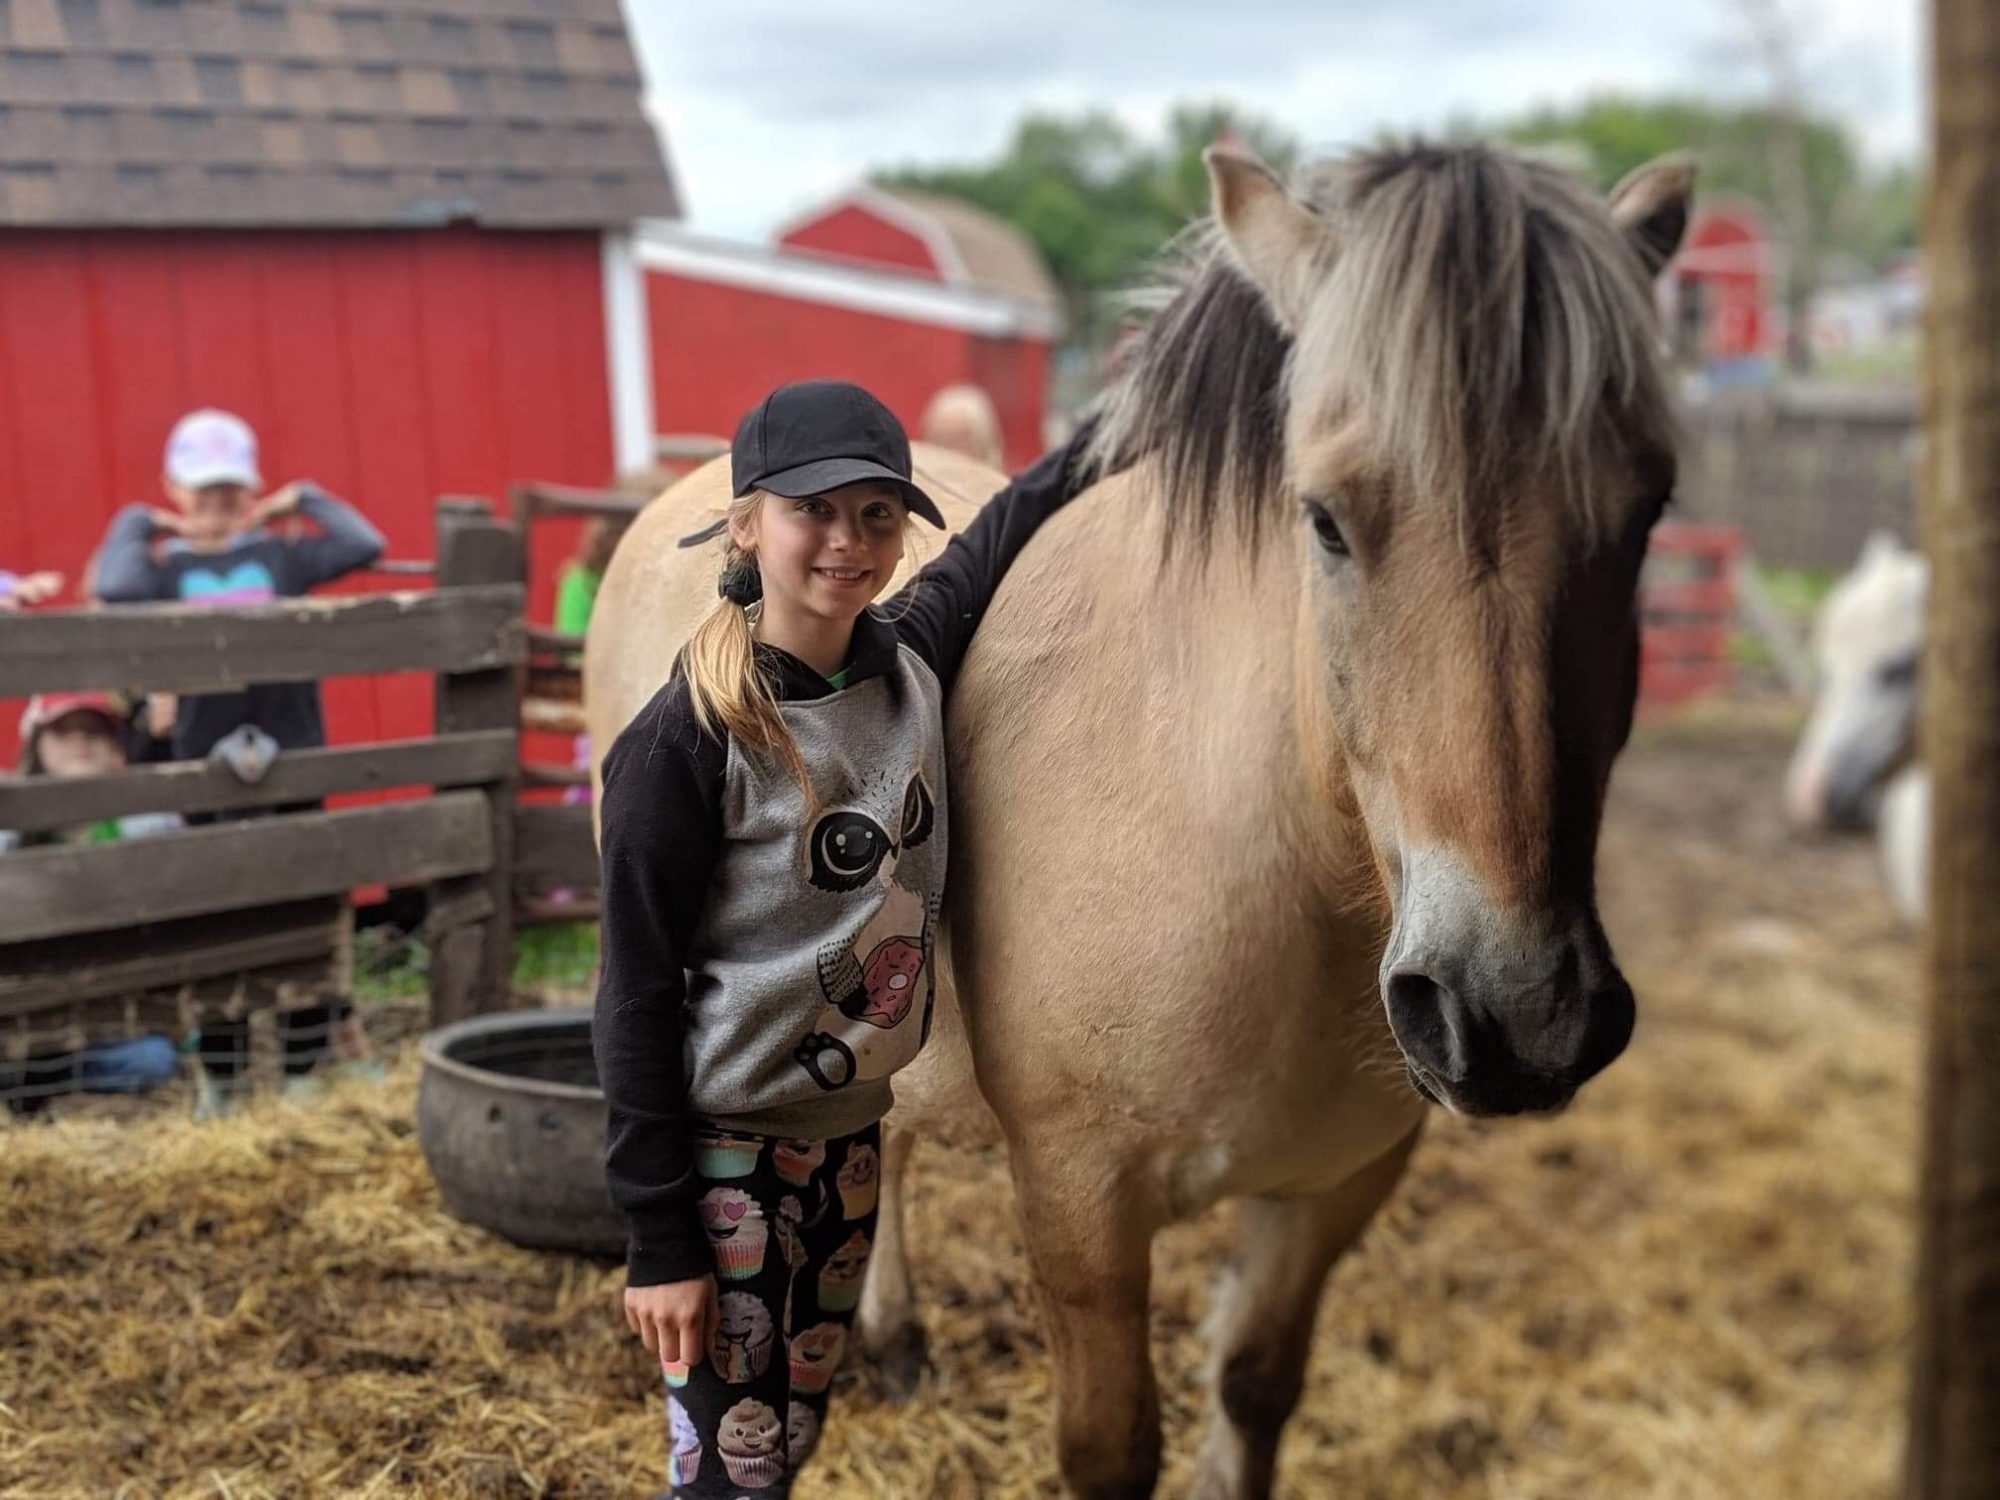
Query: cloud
x,y
770,104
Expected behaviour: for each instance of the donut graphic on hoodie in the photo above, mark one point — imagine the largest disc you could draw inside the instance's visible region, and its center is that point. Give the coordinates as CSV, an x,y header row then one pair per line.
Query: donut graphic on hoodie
x,y
875,980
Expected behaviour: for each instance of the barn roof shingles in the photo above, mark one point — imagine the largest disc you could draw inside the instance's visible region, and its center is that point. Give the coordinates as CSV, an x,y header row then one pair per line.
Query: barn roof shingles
x,y
997,256
342,113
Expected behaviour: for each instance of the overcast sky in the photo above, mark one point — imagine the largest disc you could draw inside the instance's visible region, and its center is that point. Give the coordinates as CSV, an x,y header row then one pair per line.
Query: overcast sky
x,y
771,105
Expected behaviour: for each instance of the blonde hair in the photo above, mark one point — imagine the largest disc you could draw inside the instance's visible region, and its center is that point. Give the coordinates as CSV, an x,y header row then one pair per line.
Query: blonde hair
x,y
962,418
729,692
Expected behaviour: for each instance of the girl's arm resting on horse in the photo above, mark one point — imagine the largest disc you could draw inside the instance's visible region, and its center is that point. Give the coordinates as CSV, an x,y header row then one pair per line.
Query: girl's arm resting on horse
x,y
937,612
662,826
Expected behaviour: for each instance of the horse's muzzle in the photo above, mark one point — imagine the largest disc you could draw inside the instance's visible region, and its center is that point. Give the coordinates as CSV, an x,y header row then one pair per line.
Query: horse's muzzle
x,y
1476,1060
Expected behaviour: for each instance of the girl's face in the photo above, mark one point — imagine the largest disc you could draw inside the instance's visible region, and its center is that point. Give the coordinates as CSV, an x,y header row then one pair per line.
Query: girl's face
x,y
826,555
215,512
78,745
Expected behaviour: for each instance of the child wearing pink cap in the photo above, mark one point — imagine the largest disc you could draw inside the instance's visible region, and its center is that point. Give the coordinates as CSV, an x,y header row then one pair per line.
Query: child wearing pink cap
x,y
70,735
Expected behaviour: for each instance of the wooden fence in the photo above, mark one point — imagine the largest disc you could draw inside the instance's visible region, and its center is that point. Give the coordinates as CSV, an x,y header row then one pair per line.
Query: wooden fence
x,y
234,915
1807,473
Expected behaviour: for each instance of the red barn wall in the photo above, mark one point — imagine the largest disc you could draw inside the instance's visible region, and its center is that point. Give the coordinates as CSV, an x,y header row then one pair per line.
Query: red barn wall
x,y
389,366
717,349
859,234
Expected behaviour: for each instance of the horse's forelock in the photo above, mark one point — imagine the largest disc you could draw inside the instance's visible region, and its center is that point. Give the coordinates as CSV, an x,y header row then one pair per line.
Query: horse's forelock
x,y
1484,318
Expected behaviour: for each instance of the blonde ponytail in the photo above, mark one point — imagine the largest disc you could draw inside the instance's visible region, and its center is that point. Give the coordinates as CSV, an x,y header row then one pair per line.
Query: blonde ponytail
x,y
728,690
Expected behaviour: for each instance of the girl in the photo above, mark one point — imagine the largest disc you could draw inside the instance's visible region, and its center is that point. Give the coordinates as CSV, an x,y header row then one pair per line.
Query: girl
x,y
220,546
774,839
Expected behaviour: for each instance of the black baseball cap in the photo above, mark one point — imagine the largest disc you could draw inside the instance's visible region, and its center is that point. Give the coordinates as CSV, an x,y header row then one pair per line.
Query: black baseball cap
x,y
815,435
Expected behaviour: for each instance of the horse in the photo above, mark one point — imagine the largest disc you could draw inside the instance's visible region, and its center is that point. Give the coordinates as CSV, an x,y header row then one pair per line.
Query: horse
x,y
1278,762
1856,761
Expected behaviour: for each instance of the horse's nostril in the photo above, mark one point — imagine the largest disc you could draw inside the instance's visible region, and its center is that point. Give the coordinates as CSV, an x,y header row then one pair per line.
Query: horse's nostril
x,y
1612,1014
1418,1009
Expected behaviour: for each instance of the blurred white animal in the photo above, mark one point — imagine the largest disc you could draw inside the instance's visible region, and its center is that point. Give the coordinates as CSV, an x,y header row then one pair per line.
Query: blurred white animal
x,y
1856,762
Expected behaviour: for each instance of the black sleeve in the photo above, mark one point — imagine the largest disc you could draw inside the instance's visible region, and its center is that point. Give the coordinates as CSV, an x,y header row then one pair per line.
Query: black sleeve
x,y
661,821
937,611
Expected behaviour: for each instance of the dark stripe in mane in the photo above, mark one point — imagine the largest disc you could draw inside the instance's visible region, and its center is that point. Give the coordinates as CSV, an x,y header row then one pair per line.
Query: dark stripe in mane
x,y
1204,396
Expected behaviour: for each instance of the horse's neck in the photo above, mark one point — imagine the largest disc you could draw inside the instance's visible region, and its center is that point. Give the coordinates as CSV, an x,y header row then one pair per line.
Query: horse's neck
x,y
1228,658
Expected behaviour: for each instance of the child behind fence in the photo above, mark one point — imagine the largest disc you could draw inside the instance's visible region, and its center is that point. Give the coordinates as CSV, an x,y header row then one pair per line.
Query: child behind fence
x,y
219,545
68,736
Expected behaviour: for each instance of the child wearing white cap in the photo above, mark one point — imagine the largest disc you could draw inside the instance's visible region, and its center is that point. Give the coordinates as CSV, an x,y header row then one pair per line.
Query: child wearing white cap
x,y
215,547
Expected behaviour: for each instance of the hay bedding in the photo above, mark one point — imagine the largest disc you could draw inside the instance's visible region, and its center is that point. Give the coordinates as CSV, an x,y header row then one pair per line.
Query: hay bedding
x,y
1692,1285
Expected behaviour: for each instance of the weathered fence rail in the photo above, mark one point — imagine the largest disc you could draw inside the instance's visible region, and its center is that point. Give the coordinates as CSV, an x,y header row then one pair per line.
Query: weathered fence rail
x,y
300,776
179,648
68,889
1807,472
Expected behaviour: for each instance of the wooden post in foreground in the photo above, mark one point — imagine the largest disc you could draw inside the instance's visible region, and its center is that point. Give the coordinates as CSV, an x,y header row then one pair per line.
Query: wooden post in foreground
x,y
471,922
1954,1449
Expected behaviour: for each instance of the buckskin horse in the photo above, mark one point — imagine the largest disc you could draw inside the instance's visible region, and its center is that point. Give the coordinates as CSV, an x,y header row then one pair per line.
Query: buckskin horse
x,y
1277,764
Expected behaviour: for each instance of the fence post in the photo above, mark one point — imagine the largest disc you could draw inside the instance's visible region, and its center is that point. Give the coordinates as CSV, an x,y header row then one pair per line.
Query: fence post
x,y
471,921
1954,1451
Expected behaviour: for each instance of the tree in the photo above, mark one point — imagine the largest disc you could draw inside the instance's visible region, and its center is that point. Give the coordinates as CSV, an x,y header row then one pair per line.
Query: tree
x,y
1802,167
1099,201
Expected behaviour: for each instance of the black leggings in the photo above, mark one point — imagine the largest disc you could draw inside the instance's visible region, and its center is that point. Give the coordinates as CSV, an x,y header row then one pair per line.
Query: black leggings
x,y
792,1223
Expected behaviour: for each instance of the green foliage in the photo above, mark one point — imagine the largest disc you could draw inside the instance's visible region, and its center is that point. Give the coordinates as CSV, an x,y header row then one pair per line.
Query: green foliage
x,y
559,956
1100,201
391,965
1796,592
1097,200
1867,219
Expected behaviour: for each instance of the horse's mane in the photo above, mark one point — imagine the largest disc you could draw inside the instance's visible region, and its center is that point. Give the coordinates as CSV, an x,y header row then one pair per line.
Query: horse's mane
x,y
1485,318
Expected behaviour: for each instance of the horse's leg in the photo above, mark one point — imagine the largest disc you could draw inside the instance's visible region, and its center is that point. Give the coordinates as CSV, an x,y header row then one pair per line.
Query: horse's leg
x,y
1262,1323
1090,1249
891,1335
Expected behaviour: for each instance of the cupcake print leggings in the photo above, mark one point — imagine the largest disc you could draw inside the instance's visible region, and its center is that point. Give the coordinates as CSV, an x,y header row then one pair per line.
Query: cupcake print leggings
x,y
791,1223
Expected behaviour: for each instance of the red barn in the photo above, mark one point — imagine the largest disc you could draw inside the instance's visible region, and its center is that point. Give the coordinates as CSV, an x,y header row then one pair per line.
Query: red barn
x,y
902,292
396,239
1723,285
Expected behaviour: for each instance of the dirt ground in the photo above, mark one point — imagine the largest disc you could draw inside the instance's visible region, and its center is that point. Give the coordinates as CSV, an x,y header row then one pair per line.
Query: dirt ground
x,y
1693,1284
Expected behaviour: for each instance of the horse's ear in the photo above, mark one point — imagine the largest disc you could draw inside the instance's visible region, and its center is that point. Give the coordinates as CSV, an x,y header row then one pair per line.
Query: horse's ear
x,y
1651,206
1880,546
1281,245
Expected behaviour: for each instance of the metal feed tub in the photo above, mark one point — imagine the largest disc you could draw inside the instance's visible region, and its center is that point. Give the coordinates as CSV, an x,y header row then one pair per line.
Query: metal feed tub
x,y
512,1124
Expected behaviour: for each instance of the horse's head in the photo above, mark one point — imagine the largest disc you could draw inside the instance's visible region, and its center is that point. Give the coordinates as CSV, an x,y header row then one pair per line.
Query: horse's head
x,y
1863,728
1478,439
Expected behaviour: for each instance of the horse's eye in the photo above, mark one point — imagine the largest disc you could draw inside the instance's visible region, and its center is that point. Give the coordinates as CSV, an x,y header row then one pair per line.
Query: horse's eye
x,y
1327,529
1898,673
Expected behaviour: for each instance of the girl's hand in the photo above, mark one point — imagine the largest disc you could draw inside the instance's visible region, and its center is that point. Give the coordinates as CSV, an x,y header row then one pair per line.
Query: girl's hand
x,y
170,521
283,501
31,589
675,1318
